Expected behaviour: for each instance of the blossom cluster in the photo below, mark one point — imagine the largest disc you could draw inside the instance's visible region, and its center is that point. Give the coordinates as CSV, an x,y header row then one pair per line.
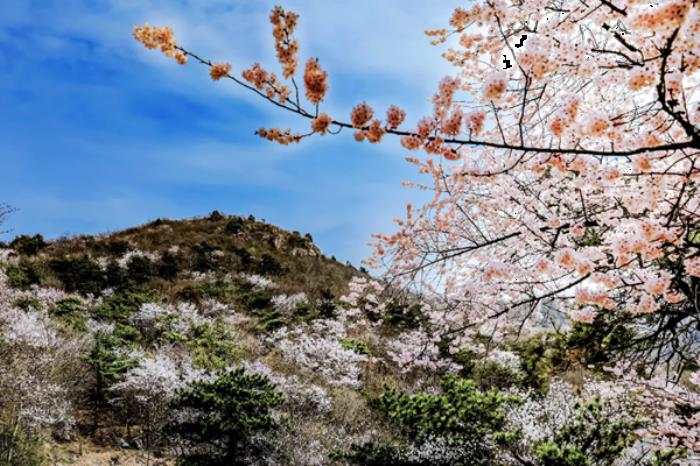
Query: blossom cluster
x,y
162,38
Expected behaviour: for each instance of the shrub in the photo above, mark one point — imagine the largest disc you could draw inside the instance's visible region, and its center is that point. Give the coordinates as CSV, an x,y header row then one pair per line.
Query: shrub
x,y
213,346
215,216
259,303
169,266
462,413
201,258
268,265
22,275
235,225
67,306
295,240
19,445
372,454
116,247
115,277
108,361
539,358
326,304
359,347
591,437
28,245
219,419
82,275
245,259
120,306
28,302
139,270
400,315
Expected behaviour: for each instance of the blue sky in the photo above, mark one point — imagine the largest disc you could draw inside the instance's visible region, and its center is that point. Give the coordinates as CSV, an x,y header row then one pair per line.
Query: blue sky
x,y
99,134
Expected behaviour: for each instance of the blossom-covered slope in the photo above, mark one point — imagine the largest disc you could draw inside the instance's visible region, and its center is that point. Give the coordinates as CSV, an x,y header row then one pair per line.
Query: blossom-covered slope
x,y
224,340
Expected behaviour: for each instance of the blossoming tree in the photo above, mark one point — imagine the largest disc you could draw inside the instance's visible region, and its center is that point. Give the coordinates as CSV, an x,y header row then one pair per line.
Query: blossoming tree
x,y
563,157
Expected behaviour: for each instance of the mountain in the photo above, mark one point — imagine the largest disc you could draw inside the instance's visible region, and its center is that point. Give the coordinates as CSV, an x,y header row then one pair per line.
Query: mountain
x,y
224,340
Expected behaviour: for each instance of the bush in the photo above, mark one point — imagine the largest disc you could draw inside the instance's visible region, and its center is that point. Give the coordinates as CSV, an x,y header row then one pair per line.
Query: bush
x,y
295,240
169,266
28,245
219,419
213,346
591,437
268,265
28,302
115,277
215,216
108,361
81,275
235,225
461,413
70,312
19,446
116,247
139,270
22,275
400,315
67,306
119,306
326,304
201,259
539,357
259,303
359,347
372,454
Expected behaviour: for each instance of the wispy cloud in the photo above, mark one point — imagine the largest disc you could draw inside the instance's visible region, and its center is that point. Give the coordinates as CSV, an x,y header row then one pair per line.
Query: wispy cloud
x,y
100,133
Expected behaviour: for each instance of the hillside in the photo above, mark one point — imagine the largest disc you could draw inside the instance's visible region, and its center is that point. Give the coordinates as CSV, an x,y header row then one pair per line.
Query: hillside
x,y
225,340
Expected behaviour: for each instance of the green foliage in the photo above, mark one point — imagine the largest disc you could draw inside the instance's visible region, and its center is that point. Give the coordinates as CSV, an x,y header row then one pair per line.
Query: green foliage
x,y
372,454
19,446
28,245
594,343
116,247
399,315
109,360
126,332
259,303
551,454
326,303
668,457
485,373
139,270
22,275
67,306
213,346
79,274
201,258
221,417
165,331
539,357
268,265
119,306
590,438
359,347
71,311
215,216
461,410
169,266
27,303
235,225
115,277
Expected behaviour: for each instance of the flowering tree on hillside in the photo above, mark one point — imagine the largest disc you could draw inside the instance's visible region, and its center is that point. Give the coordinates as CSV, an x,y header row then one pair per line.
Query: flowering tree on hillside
x,y
563,157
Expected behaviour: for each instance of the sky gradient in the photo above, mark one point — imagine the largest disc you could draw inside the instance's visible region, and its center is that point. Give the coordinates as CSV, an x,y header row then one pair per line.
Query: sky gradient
x,y
100,134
